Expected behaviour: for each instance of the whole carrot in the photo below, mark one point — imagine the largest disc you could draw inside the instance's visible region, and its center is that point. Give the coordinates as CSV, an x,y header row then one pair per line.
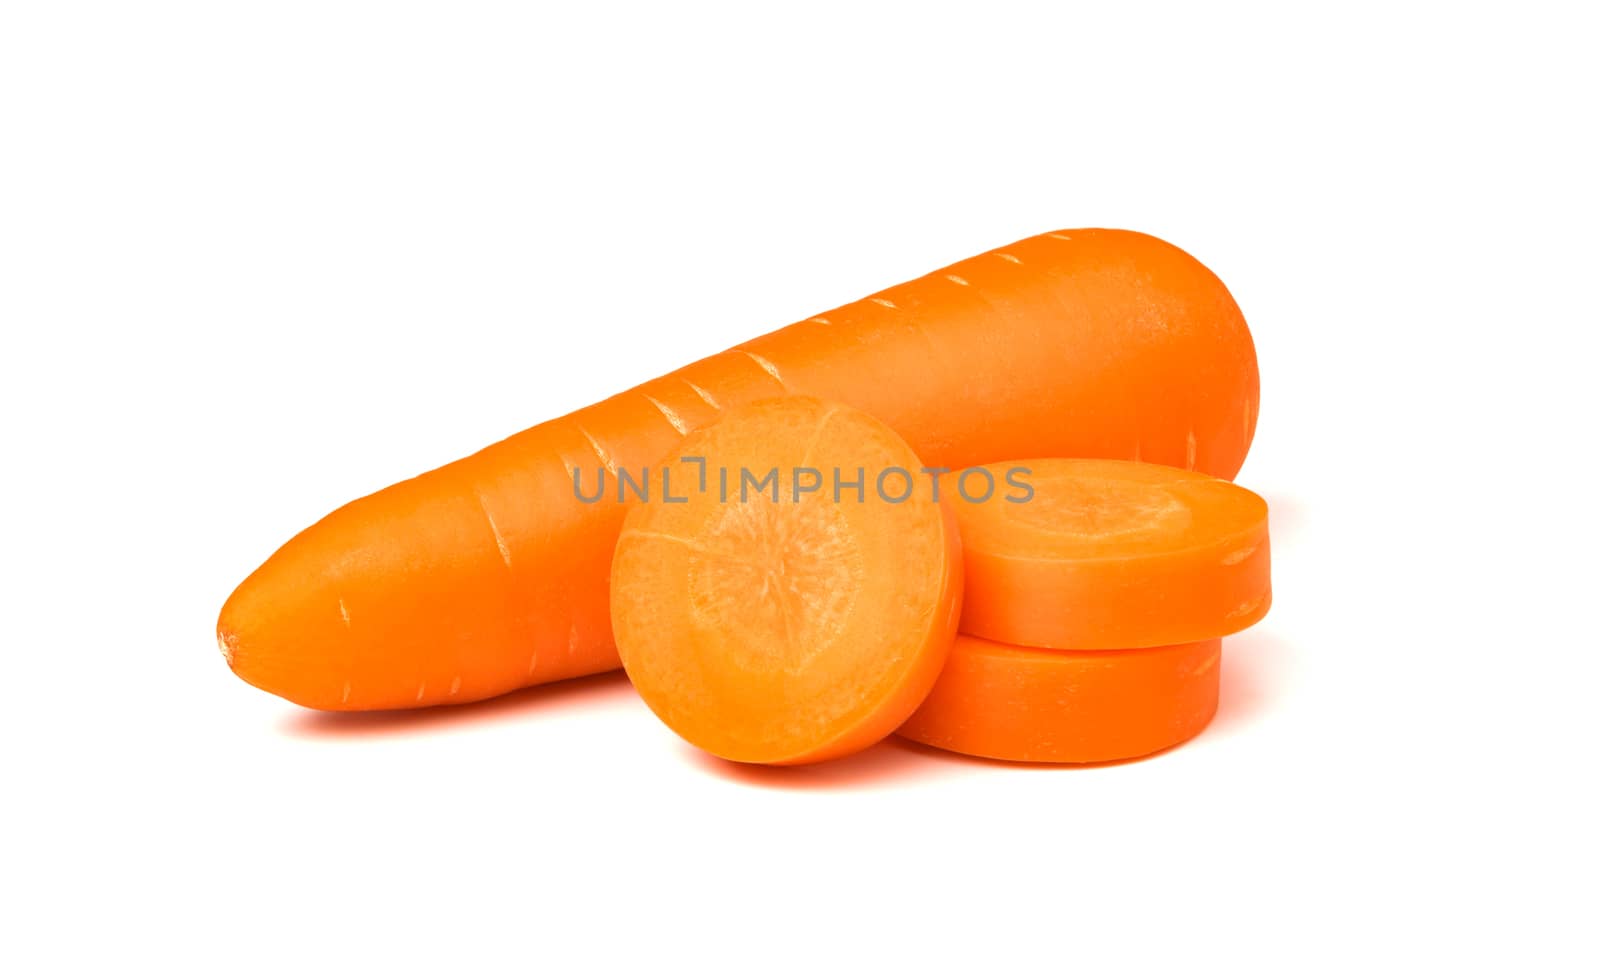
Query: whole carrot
x,y
490,573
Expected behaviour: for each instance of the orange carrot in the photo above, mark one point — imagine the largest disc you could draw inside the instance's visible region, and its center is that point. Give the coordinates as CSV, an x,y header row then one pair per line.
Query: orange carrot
x,y
800,620
1109,554
1068,706
489,574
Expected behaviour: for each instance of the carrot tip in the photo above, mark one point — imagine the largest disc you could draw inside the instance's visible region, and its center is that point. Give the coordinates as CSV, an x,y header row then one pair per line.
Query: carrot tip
x,y
226,642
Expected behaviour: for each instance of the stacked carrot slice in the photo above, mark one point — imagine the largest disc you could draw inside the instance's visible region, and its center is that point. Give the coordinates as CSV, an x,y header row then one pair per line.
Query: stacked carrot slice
x,y
1094,604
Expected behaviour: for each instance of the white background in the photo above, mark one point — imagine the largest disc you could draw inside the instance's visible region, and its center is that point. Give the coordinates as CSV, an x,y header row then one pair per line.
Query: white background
x,y
259,259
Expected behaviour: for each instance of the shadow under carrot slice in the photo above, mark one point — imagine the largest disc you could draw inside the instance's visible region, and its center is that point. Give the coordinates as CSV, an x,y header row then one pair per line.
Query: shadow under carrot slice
x,y
887,764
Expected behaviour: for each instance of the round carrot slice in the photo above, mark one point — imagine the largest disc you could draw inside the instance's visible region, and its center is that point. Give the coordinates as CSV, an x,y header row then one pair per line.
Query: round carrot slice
x,y
1068,706
1110,554
790,593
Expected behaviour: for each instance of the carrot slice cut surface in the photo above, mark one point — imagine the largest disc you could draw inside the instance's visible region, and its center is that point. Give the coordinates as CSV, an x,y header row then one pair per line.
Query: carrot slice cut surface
x,y
1068,706
1111,554
799,621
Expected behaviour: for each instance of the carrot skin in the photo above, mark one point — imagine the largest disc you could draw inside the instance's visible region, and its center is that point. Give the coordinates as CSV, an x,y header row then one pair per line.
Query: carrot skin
x,y
488,574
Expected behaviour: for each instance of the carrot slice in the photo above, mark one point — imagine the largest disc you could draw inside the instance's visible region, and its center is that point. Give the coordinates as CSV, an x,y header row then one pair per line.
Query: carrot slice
x,y
1068,706
787,624
1111,554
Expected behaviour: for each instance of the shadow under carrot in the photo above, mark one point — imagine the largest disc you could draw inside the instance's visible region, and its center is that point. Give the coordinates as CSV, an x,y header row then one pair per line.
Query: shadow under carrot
x,y
572,694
